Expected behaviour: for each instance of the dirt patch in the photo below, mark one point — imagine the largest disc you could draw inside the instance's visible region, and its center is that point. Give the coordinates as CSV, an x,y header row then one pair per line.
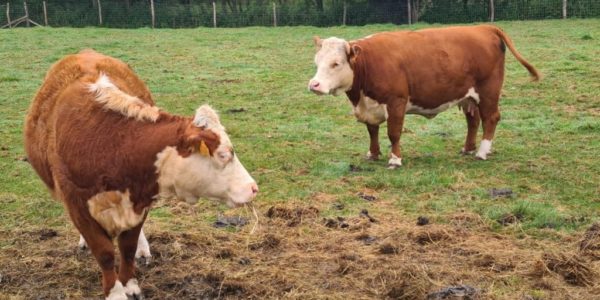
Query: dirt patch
x,y
294,216
388,248
590,244
268,242
422,221
508,219
464,292
432,235
501,193
572,268
392,258
366,197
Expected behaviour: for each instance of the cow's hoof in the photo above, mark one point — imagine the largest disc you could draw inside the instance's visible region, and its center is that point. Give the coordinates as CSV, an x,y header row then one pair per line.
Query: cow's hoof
x,y
82,245
143,260
371,156
393,166
466,152
395,162
133,291
479,156
117,292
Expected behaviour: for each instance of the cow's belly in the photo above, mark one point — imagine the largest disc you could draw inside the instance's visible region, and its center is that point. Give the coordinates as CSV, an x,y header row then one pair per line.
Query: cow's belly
x,y
369,111
413,108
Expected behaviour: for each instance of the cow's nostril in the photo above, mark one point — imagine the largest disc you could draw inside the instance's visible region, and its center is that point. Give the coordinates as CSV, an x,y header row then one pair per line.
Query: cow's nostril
x,y
254,188
315,85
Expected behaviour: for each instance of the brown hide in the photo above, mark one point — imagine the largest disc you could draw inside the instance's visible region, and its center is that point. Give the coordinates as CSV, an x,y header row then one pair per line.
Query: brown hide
x,y
431,66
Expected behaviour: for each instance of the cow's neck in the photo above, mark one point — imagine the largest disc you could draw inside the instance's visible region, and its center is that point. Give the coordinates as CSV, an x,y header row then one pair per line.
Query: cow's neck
x,y
358,83
151,139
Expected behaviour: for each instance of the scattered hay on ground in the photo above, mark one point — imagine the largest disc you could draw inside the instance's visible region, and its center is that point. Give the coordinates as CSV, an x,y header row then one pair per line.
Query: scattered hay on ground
x,y
392,258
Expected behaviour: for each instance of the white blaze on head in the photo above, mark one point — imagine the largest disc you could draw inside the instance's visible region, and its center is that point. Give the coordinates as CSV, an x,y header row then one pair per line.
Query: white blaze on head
x,y
334,74
217,175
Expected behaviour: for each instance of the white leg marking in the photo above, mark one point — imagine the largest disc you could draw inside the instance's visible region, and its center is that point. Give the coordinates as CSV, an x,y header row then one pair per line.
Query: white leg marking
x,y
82,243
394,161
117,292
143,248
370,155
132,287
484,149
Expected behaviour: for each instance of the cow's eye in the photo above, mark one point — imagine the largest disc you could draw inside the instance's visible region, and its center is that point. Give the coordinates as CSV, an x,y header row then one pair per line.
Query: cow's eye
x,y
334,65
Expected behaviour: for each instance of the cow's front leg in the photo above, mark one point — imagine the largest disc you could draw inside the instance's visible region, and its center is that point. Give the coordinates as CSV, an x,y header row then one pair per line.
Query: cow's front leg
x,y
103,250
374,151
142,254
396,111
128,242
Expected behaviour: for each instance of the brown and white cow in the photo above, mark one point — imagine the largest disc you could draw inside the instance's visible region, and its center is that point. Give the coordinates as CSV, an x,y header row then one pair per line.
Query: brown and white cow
x,y
390,74
100,145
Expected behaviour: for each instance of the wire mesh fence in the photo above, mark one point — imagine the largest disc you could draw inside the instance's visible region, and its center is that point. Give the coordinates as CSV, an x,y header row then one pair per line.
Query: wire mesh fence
x,y
240,13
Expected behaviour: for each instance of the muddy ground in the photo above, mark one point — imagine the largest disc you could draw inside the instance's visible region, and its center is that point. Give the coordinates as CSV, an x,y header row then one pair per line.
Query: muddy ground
x,y
296,252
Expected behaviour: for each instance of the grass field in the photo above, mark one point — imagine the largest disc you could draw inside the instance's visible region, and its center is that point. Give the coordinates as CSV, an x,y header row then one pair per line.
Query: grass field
x,y
307,155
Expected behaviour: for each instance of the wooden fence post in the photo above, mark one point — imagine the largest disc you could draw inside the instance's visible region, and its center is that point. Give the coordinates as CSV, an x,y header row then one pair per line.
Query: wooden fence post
x,y
152,12
409,12
564,10
45,14
99,12
8,14
491,10
274,14
345,13
214,15
26,13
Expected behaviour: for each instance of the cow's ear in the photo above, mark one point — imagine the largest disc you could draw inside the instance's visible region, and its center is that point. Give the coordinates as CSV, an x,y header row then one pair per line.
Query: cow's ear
x,y
197,140
318,42
353,50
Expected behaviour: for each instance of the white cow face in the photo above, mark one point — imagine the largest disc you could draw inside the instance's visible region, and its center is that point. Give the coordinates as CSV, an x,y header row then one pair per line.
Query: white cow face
x,y
334,74
207,167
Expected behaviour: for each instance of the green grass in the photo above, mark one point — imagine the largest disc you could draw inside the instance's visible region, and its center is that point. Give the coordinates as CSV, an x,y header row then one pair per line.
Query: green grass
x,y
296,144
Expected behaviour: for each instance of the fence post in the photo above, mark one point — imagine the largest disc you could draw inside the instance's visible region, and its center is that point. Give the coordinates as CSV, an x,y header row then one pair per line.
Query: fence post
x,y
152,12
274,14
409,12
564,11
214,15
99,12
45,14
8,14
491,10
345,12
26,13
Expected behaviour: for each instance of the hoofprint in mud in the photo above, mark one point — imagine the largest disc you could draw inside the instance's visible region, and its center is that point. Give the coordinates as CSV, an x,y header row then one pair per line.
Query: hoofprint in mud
x,y
390,74
97,141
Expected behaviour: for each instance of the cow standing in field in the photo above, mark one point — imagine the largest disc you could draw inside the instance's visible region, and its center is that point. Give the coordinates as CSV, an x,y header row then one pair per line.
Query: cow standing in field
x,y
100,145
390,74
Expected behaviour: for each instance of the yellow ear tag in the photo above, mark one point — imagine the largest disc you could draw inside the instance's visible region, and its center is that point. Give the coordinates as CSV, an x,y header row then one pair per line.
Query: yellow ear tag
x,y
203,149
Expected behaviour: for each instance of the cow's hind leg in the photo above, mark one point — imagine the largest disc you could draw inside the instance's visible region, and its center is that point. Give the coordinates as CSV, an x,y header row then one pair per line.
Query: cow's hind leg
x,y
490,116
374,151
473,120
128,242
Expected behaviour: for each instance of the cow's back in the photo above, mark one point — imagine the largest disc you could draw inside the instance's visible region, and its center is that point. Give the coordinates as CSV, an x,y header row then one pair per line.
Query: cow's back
x,y
435,62
63,92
